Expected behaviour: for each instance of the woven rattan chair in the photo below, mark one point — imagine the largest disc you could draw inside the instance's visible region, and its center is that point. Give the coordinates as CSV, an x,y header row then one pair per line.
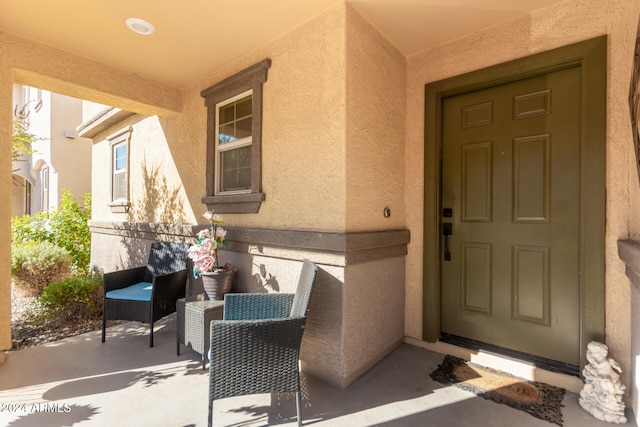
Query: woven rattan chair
x,y
147,293
256,348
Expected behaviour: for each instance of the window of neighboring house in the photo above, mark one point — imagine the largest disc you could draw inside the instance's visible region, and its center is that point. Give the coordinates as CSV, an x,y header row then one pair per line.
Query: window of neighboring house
x,y
119,143
27,197
44,177
234,141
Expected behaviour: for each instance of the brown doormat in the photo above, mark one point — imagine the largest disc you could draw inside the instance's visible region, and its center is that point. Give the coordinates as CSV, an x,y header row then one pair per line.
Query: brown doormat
x,y
538,399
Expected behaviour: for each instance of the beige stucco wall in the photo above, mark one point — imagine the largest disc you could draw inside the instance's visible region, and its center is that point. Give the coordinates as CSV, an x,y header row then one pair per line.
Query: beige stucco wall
x,y
373,298
559,25
155,189
71,157
634,384
303,132
375,85
303,136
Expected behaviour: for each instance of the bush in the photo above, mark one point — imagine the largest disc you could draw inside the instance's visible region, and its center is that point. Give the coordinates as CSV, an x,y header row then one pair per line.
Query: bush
x,y
66,227
78,297
36,264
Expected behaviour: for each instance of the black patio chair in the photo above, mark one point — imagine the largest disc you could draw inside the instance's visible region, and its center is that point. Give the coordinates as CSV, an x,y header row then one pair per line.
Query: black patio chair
x,y
147,293
256,348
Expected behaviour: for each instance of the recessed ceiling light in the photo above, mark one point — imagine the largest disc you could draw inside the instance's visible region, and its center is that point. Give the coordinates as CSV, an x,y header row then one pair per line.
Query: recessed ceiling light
x,y
140,26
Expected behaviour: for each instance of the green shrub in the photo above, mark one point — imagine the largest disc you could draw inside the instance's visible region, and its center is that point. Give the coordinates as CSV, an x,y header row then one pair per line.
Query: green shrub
x,y
78,297
36,264
66,227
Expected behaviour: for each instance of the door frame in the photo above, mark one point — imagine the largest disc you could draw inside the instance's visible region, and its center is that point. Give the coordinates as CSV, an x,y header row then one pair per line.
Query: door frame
x,y
590,56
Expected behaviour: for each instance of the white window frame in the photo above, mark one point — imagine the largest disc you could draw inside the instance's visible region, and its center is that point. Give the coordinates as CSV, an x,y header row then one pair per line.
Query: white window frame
x,y
44,196
28,194
118,139
221,148
118,172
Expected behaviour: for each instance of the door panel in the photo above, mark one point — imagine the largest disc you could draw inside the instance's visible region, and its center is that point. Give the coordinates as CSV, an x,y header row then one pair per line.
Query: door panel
x,y
477,177
531,180
511,175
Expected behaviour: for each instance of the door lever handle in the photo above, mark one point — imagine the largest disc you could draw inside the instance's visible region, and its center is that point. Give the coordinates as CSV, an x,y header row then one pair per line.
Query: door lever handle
x,y
447,230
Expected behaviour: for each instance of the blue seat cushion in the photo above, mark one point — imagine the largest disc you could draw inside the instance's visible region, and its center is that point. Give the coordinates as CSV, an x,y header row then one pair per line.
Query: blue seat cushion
x,y
138,292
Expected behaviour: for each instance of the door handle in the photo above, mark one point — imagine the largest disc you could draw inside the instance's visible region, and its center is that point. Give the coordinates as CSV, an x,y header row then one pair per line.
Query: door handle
x,y
447,230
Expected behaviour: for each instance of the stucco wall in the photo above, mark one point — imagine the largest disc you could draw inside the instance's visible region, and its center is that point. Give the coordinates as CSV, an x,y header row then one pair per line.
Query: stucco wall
x,y
375,82
303,130
634,385
156,193
71,157
373,317
629,250
303,136
556,26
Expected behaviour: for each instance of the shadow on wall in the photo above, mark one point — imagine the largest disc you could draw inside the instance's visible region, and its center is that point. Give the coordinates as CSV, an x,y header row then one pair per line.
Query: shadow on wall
x,y
245,282
159,203
155,203
264,281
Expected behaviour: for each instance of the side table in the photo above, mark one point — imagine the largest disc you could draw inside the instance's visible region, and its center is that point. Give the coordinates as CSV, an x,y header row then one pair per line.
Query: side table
x,y
194,316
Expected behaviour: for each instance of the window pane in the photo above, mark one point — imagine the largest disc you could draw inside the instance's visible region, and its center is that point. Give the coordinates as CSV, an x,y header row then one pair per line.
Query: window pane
x,y
236,169
120,186
243,128
243,107
226,113
120,157
234,120
227,134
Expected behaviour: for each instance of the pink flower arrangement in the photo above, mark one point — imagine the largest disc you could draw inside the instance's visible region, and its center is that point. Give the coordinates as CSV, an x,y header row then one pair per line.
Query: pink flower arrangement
x,y
205,252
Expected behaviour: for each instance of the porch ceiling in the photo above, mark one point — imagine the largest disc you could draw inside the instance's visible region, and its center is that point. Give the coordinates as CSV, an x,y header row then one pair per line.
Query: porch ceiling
x,y
195,38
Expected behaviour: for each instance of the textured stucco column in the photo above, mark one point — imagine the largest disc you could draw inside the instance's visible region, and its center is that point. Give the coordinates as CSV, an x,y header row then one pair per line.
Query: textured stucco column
x,y
5,208
629,252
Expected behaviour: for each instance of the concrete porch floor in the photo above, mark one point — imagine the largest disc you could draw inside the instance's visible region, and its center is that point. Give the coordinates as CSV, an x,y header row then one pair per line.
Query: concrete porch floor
x,y
81,382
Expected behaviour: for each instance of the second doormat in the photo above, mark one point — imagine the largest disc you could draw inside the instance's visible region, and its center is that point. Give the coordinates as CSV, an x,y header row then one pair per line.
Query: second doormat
x,y
538,399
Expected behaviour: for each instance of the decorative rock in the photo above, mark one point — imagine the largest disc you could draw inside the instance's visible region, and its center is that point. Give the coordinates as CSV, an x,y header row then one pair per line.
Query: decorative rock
x,y
602,392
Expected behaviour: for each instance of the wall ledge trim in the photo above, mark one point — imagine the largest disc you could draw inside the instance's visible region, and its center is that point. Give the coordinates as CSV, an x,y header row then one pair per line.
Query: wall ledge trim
x,y
629,252
349,247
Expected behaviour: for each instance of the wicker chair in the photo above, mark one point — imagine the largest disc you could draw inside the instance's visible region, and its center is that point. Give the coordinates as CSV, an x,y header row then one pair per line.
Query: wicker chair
x,y
147,293
256,348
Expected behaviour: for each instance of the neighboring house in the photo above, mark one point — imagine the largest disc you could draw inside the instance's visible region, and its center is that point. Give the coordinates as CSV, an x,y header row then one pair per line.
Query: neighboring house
x,y
355,157
61,159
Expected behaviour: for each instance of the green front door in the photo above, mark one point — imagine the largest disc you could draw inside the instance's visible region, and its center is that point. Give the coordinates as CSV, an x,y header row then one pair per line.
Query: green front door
x,y
510,260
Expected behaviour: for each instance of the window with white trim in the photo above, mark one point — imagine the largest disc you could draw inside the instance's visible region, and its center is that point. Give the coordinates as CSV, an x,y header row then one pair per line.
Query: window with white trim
x,y
233,144
119,172
44,178
119,144
27,197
